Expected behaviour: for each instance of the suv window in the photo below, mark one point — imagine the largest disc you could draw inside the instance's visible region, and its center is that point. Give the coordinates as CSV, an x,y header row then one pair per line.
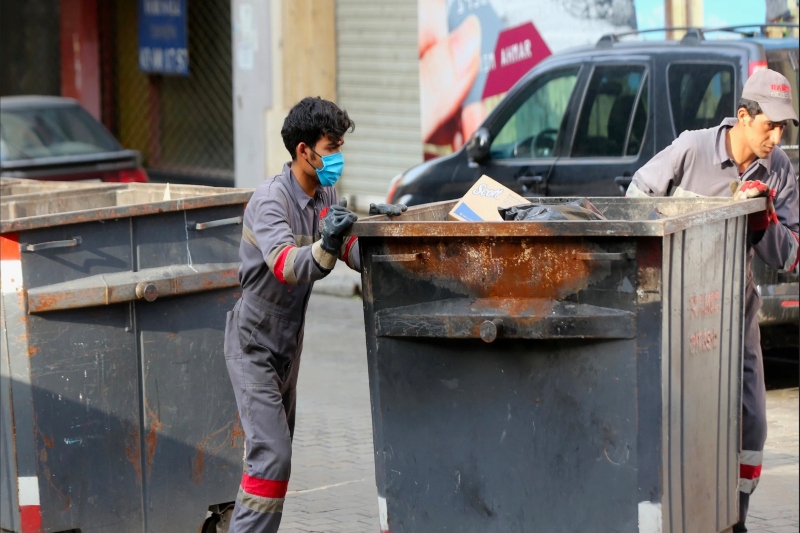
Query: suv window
x,y
784,64
700,95
607,126
532,130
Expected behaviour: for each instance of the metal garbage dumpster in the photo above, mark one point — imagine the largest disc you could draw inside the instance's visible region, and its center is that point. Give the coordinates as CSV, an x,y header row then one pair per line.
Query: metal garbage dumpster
x,y
116,412
557,377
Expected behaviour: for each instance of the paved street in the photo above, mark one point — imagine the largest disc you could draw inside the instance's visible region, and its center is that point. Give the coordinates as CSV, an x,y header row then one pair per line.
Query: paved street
x,y
333,486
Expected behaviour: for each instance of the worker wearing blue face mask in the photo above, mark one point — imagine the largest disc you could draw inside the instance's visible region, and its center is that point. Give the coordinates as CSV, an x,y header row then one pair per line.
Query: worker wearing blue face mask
x,y
332,166
292,235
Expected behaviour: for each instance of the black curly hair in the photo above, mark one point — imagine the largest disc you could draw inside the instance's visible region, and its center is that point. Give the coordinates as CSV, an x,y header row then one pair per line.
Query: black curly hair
x,y
312,118
751,106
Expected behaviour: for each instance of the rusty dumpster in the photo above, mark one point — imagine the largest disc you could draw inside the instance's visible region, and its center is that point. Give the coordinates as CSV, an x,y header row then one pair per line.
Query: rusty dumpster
x,y
116,412
560,376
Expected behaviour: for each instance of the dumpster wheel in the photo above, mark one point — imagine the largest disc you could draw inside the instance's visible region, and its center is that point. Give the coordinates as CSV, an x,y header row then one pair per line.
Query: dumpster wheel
x,y
218,522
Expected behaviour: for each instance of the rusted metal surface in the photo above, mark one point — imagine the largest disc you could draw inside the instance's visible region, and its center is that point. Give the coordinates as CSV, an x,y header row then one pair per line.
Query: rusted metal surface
x,y
626,217
498,267
108,289
111,202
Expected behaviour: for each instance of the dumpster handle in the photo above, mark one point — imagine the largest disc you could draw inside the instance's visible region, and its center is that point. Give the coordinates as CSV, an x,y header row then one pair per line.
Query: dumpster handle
x,y
621,256
120,287
398,258
52,244
491,318
200,226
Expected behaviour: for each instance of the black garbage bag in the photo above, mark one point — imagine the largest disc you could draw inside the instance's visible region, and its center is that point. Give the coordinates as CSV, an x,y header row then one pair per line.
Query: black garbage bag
x,y
578,209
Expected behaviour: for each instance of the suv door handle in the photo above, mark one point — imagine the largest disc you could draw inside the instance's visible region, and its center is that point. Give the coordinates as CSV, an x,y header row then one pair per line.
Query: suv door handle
x,y
530,180
623,182
536,183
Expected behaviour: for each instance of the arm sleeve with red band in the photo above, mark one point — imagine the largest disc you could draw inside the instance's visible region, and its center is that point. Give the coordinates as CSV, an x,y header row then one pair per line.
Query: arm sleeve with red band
x,y
778,247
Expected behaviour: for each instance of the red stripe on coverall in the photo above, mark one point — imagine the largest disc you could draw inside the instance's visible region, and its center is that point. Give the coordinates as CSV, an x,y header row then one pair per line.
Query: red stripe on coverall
x,y
266,488
350,242
280,263
797,256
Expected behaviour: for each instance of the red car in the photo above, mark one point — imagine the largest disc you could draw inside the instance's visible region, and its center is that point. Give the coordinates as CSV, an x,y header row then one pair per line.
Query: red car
x,y
54,138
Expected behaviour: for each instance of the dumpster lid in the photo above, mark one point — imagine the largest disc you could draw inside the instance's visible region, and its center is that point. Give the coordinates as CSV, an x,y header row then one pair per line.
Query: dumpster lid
x,y
54,205
625,217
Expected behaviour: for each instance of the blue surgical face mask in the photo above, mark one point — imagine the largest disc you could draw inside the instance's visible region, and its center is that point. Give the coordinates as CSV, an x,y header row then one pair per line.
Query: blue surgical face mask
x,y
332,167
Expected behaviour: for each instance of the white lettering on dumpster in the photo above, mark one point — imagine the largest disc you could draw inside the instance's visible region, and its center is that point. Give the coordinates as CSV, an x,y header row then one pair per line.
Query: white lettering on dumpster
x,y
486,192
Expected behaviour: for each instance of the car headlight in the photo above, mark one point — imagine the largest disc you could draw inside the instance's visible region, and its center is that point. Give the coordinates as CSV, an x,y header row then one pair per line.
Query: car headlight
x,y
393,187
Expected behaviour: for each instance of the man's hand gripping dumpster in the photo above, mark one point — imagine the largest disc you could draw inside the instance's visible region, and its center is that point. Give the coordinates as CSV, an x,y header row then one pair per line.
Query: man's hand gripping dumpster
x,y
292,235
744,150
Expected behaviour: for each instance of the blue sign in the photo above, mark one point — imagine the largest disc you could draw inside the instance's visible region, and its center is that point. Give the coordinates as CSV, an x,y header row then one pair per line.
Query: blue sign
x,y
162,37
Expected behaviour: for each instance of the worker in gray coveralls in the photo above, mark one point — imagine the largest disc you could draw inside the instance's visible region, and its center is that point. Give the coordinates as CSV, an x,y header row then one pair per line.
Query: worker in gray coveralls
x,y
742,156
293,233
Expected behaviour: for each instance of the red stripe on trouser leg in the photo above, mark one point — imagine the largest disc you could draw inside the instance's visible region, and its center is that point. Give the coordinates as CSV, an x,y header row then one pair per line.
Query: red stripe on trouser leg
x,y
9,247
266,488
749,471
280,263
30,519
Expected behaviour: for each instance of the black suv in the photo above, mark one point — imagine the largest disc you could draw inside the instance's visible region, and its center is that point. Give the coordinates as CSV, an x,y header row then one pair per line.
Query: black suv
x,y
583,121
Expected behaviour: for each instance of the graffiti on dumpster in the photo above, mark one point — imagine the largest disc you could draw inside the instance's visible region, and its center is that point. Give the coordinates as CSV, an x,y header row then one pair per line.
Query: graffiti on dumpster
x,y
701,305
704,341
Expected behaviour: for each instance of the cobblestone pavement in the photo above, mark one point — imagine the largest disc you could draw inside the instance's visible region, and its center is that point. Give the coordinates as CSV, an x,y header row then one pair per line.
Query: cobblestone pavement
x,y
774,504
332,488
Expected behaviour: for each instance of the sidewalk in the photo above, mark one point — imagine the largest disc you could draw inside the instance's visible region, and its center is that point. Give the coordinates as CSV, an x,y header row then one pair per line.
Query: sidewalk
x,y
774,505
332,489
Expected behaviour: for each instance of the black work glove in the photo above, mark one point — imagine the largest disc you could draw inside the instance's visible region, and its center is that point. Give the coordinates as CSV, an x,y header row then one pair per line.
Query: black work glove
x,y
335,223
391,210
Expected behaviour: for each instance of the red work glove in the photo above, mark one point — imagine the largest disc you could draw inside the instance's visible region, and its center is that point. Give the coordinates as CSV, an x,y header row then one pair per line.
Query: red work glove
x,y
756,189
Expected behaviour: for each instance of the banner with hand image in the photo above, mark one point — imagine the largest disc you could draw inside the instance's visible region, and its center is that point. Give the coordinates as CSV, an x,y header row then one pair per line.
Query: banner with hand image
x,y
472,51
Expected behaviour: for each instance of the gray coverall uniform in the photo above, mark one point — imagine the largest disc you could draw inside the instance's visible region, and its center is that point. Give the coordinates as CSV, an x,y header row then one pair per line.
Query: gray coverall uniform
x,y
281,259
697,164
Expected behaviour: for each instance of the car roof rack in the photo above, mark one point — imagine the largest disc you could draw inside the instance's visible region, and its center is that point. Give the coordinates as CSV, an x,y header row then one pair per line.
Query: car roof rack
x,y
695,34
611,38
760,28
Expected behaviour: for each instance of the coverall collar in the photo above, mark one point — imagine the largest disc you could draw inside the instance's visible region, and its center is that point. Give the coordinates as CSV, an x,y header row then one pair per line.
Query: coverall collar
x,y
297,191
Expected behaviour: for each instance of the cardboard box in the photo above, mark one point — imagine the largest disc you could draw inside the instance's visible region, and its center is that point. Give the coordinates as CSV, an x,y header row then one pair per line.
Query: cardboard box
x,y
481,202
